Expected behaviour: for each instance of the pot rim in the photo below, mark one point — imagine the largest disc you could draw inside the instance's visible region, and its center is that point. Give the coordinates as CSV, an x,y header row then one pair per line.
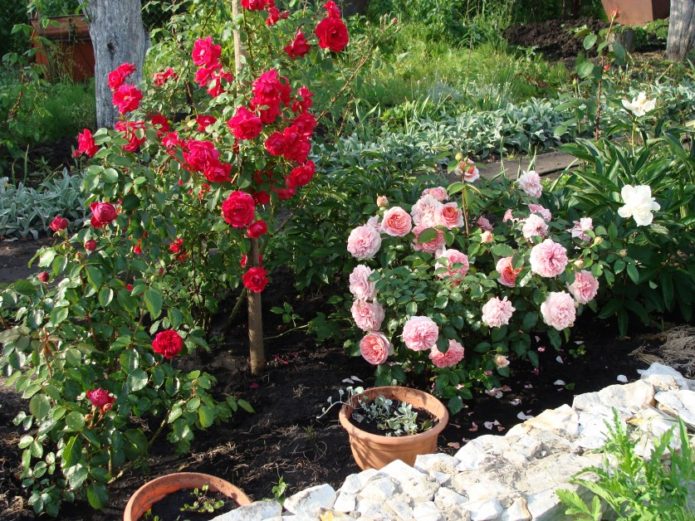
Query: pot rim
x,y
353,430
239,496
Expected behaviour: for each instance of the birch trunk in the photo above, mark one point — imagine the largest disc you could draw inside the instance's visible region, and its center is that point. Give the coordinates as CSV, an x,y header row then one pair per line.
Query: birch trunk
x,y
118,35
681,29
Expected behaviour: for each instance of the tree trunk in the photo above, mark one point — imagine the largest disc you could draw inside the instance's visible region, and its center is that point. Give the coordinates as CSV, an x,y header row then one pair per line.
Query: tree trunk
x,y
681,29
118,36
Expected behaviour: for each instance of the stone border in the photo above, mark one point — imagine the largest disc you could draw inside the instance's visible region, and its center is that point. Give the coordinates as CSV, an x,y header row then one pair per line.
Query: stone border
x,y
497,478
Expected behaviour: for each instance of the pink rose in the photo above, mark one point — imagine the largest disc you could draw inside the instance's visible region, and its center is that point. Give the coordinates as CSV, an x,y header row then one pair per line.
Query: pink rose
x,y
496,312
484,224
428,247
450,216
420,333
530,183
375,348
382,201
548,259
360,285
438,192
540,210
455,263
367,315
508,216
452,356
534,226
396,222
558,310
487,237
583,225
468,171
364,242
425,211
501,361
584,287
507,272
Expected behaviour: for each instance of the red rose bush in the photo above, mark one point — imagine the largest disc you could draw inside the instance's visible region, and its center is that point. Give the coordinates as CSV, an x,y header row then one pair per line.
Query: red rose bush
x,y
196,167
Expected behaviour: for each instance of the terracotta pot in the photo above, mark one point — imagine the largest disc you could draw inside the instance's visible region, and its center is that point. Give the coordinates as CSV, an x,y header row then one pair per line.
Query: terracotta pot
x,y
73,53
155,490
637,12
375,451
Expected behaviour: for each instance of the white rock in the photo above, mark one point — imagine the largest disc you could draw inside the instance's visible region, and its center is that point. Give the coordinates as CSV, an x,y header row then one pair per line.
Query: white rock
x,y
412,482
440,477
436,463
427,511
370,509
378,489
310,501
490,510
258,511
587,402
545,505
478,452
447,500
663,377
400,508
356,482
518,511
345,502
633,396
563,421
679,404
593,430
621,378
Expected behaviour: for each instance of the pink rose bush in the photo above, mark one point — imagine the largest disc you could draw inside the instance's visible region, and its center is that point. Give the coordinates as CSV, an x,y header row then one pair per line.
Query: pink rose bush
x,y
455,268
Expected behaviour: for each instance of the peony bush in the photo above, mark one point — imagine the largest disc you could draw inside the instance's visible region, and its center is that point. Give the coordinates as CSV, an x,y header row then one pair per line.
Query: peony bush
x,y
199,164
455,286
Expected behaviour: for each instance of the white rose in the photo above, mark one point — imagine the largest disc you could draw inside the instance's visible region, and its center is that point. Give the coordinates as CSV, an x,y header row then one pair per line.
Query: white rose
x,y
640,105
639,204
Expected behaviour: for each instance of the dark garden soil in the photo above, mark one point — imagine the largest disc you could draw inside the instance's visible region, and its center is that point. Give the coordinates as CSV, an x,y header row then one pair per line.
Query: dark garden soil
x,y
284,439
554,38
185,505
40,159
14,257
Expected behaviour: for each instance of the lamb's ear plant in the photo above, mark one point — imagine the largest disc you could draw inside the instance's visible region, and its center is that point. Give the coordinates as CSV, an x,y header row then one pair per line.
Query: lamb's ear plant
x,y
633,488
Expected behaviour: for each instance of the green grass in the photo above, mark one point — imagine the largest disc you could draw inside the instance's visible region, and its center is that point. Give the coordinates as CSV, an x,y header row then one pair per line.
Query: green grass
x,y
484,77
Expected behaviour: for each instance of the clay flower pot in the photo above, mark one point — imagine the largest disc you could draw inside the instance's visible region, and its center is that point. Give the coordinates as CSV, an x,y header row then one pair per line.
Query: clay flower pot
x,y
376,451
637,12
155,490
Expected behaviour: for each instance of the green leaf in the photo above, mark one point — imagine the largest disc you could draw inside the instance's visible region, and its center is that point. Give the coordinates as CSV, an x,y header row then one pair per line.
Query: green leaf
x,y
590,41
77,475
74,421
153,302
25,441
246,406
24,287
585,69
633,273
94,276
137,380
206,416
97,496
455,404
427,235
502,250
39,406
105,296
59,315
554,338
530,320
46,258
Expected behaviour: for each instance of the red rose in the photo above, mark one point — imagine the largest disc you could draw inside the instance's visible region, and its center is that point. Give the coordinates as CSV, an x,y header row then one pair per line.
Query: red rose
x,y
137,249
332,34
43,277
101,399
172,140
275,144
255,279
238,209
256,5
167,343
198,154
306,102
257,229
332,10
160,78
120,74
176,246
129,131
90,245
301,175
204,121
261,197
275,15
217,172
160,122
127,98
102,214
206,53
215,89
298,47
285,194
85,144
203,76
58,224
271,89
129,287
245,124
305,123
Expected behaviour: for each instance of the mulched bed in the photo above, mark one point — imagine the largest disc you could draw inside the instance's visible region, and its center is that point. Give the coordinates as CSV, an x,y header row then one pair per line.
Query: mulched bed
x,y
284,439
554,38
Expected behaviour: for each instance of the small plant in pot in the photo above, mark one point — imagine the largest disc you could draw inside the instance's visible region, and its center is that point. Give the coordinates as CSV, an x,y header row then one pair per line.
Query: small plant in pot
x,y
183,495
389,423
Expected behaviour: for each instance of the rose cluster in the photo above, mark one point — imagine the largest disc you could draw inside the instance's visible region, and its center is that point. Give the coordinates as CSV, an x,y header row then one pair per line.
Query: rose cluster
x,y
431,226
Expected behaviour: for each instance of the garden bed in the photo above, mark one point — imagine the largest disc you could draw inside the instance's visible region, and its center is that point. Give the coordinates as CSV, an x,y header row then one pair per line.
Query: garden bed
x,y
285,440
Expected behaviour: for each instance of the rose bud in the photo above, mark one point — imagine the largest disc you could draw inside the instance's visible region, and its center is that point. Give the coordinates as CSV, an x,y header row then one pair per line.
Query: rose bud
x,y
43,276
90,245
382,201
58,224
